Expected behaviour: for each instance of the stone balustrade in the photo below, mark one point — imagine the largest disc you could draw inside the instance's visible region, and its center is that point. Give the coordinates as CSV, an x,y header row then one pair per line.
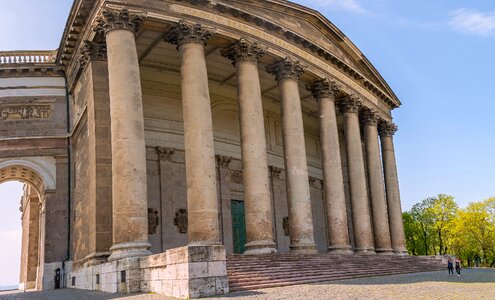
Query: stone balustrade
x,y
27,57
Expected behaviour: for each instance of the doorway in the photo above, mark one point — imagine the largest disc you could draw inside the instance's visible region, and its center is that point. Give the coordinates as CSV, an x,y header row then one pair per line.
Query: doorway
x,y
238,226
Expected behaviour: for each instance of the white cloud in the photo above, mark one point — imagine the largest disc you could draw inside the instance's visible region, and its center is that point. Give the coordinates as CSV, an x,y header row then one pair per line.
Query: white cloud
x,y
473,22
348,5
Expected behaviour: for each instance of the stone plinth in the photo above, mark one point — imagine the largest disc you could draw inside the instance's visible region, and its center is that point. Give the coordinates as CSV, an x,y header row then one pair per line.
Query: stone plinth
x,y
186,272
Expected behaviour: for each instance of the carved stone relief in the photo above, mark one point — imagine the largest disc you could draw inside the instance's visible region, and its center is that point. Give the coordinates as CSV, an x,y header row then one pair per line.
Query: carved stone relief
x,y
25,111
236,177
153,220
180,220
285,225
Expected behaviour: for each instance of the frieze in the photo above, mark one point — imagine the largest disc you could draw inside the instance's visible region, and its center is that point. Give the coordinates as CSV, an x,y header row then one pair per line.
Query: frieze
x,y
13,112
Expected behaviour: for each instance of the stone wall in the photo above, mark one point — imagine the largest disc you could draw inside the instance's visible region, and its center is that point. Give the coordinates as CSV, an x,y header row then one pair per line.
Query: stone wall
x,y
185,272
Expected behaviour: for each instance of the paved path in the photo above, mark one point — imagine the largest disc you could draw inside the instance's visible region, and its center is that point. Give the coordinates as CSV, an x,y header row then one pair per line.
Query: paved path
x,y
473,284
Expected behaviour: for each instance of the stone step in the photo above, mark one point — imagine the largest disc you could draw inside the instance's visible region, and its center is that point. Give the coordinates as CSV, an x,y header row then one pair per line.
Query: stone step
x,y
304,280
253,272
298,274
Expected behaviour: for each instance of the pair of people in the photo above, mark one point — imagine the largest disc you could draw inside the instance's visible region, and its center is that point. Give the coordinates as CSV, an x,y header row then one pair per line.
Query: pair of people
x,y
450,266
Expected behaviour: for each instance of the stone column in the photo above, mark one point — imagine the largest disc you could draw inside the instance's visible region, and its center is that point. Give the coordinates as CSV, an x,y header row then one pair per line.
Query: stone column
x,y
387,130
363,238
259,228
324,92
376,187
129,190
202,204
288,72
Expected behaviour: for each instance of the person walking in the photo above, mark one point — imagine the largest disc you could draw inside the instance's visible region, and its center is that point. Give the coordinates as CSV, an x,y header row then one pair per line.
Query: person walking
x,y
450,266
458,267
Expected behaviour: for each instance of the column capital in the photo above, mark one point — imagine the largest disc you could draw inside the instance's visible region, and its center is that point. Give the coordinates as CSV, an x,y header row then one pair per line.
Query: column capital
x,y
275,171
118,20
185,32
223,161
92,51
387,128
286,68
350,104
165,153
243,50
371,117
324,88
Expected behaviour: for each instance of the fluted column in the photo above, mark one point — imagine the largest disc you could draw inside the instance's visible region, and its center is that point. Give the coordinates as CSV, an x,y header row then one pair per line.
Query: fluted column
x,y
129,192
288,72
376,186
202,204
361,220
324,92
259,227
387,130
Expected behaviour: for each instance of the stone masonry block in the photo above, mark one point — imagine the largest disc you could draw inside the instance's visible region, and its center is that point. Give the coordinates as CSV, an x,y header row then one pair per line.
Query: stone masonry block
x,y
217,268
198,269
202,287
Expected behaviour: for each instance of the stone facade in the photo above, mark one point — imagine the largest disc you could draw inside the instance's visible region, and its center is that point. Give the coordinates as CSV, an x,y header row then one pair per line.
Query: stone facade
x,y
164,135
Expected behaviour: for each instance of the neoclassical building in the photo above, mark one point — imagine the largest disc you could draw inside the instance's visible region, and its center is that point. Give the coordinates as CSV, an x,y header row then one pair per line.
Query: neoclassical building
x,y
164,135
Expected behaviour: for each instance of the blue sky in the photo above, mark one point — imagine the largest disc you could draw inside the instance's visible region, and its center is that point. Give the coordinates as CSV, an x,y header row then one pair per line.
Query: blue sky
x,y
436,55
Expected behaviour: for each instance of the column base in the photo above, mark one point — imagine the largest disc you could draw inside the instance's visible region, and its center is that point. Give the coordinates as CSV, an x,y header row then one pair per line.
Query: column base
x,y
384,251
96,258
401,252
369,251
303,249
260,247
340,249
132,249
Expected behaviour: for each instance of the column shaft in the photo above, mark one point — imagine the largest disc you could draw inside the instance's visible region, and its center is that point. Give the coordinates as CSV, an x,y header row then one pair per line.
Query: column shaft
x,y
338,231
296,168
203,228
254,161
357,179
129,185
259,219
392,189
288,73
376,185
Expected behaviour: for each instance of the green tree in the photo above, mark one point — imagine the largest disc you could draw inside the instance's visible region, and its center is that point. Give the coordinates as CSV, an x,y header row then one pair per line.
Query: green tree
x,y
443,210
421,214
474,232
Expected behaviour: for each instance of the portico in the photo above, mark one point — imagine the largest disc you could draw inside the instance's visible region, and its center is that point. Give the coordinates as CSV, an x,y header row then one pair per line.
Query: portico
x,y
181,108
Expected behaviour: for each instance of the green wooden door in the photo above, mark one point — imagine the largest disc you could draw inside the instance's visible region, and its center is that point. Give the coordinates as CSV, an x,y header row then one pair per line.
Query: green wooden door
x,y
238,226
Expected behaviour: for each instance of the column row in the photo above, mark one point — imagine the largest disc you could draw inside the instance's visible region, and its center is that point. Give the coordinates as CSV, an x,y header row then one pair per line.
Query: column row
x,y
129,165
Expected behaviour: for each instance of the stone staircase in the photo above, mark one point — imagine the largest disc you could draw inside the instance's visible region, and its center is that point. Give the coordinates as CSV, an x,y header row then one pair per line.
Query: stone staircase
x,y
274,270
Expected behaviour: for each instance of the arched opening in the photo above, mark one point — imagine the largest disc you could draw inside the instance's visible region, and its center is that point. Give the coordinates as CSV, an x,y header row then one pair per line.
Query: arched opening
x,y
26,184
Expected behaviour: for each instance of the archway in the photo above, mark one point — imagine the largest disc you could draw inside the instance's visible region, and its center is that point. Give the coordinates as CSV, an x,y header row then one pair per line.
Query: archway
x,y
35,174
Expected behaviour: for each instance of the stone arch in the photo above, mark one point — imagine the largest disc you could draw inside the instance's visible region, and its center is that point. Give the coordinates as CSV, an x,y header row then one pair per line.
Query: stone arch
x,y
37,171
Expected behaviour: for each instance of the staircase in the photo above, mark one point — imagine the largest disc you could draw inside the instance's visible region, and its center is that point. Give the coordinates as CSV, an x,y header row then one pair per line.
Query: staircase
x,y
247,272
